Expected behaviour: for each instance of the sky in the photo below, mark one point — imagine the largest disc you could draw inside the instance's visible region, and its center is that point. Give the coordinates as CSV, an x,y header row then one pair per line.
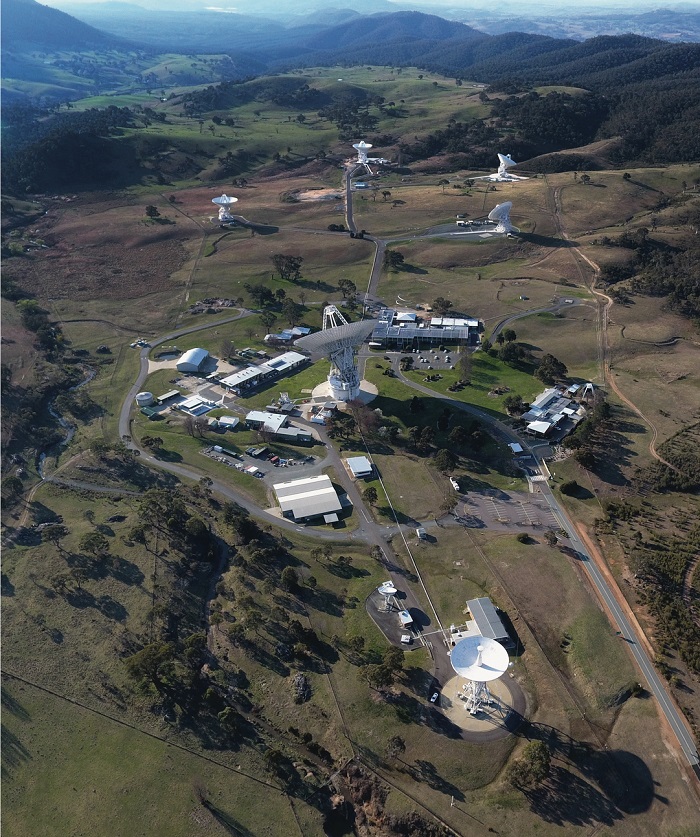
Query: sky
x,y
529,8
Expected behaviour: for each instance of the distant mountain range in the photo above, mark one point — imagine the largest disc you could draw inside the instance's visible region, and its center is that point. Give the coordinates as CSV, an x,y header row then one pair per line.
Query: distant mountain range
x,y
257,45
26,23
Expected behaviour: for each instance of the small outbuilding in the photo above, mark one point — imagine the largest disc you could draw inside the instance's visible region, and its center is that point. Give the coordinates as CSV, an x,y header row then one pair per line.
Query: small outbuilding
x,y
360,467
192,360
488,622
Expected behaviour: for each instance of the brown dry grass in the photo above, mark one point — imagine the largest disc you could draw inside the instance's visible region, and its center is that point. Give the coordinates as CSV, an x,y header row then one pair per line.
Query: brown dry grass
x,y
103,250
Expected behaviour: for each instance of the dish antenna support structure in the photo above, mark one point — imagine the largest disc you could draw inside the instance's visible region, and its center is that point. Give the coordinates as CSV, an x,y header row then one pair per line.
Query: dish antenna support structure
x,y
500,215
479,660
225,202
338,341
388,592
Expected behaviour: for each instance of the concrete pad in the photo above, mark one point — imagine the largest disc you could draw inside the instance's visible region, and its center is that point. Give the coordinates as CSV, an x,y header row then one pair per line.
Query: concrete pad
x,y
488,718
368,392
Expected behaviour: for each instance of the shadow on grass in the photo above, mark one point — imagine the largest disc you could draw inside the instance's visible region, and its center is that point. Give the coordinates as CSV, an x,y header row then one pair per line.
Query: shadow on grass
x,y
168,456
14,753
106,605
425,771
226,821
12,705
607,785
545,240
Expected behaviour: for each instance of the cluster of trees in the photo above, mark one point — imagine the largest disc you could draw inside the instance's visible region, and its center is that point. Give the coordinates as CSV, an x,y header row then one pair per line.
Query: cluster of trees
x,y
280,90
658,269
584,440
350,112
66,151
288,267
660,562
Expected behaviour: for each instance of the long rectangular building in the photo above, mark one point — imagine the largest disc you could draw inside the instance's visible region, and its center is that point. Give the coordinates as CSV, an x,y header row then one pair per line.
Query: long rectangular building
x,y
397,330
307,498
488,622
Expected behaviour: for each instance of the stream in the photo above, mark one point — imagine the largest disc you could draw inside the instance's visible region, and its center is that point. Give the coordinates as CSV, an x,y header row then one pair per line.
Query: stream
x,y
65,424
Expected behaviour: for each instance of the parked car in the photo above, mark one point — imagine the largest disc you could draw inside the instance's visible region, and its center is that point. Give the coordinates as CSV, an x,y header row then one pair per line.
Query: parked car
x,y
434,697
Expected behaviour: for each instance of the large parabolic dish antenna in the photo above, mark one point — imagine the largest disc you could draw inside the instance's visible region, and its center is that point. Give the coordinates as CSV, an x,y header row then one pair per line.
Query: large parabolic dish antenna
x,y
505,162
338,341
478,660
225,202
362,148
500,215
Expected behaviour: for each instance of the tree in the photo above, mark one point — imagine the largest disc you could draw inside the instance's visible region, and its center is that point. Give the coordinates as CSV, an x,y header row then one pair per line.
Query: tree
x,y
369,495
356,644
445,461
550,369
152,211
292,311
500,339
425,439
464,365
94,542
393,260
280,294
54,533
393,659
510,352
152,663
288,267
289,579
443,182
347,288
153,443
301,118
377,676
509,335
550,537
12,487
386,194
514,404
458,436
532,767
268,319
395,747
441,306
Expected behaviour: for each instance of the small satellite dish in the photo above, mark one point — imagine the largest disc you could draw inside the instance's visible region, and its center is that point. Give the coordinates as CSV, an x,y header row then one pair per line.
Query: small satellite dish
x,y
224,200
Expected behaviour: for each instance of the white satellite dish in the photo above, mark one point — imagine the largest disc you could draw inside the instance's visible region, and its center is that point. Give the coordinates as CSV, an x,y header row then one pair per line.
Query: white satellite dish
x,y
388,588
501,215
225,202
479,660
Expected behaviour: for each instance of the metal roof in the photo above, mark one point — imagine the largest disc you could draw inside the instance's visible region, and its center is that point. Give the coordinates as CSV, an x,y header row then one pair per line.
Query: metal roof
x,y
359,465
269,421
195,357
309,497
487,619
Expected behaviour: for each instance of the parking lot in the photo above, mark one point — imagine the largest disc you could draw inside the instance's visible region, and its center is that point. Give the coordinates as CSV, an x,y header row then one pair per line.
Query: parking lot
x,y
506,510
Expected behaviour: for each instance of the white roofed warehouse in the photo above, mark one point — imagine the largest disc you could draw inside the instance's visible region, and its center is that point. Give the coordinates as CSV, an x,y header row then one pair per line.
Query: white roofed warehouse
x,y
308,498
193,360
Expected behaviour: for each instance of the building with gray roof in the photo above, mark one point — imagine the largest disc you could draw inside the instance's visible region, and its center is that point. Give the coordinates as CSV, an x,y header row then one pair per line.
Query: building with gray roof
x,y
488,622
308,498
